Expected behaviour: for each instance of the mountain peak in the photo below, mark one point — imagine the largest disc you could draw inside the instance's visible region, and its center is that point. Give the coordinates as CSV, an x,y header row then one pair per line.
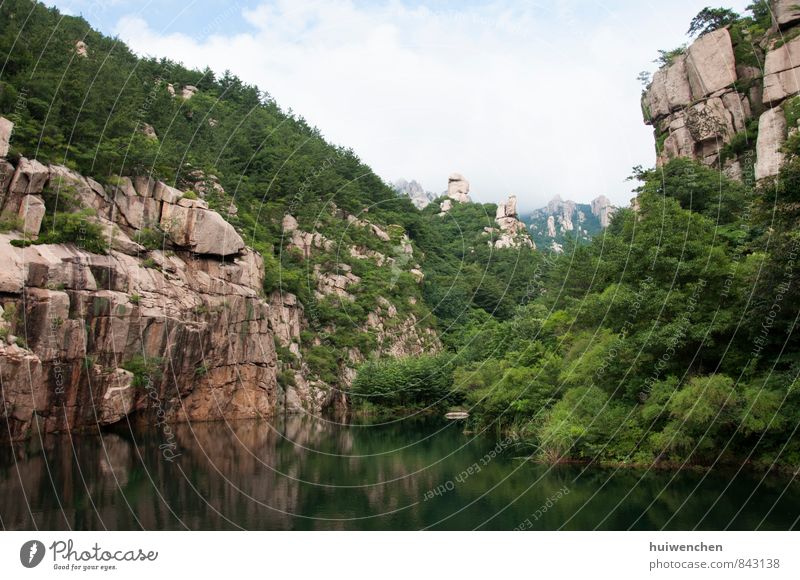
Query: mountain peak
x,y
414,191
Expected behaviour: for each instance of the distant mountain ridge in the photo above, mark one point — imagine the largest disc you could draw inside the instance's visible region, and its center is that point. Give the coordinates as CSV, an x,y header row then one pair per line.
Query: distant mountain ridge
x,y
414,191
562,220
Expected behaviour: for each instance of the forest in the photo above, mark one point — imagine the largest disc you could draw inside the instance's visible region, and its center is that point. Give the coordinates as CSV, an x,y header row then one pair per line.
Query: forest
x,y
669,338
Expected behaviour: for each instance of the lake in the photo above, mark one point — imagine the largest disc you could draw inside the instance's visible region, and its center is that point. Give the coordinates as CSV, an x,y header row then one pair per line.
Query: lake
x,y
304,473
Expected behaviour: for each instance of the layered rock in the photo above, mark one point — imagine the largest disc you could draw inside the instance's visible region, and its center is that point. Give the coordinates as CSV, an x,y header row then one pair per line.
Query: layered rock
x,y
705,99
785,13
782,72
178,333
192,331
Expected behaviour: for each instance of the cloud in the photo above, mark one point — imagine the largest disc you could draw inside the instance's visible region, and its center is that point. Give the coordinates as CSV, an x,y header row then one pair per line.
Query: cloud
x,y
535,99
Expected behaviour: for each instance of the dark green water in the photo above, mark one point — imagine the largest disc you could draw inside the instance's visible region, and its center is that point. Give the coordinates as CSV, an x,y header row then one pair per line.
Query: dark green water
x,y
301,473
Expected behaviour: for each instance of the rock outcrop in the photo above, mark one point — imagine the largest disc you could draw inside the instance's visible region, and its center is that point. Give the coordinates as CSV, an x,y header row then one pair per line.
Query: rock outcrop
x,y
602,210
785,13
513,233
706,105
173,333
6,128
458,188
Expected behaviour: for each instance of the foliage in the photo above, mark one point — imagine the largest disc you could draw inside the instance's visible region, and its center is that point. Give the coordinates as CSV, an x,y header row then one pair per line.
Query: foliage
x,y
146,370
667,57
710,19
407,383
74,228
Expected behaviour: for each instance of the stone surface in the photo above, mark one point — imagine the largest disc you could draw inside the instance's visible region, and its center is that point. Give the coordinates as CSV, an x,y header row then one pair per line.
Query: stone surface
x,y
513,233
136,211
6,130
31,212
669,90
82,49
603,210
30,177
785,13
782,72
289,224
710,64
458,188
203,322
200,230
188,92
771,136
149,131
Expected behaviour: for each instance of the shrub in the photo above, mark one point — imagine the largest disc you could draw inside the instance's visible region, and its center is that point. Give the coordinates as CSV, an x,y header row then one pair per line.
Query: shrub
x,y
74,228
406,382
152,238
146,370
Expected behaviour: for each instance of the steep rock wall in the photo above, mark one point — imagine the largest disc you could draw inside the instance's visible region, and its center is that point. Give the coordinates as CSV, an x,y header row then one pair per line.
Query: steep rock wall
x,y
725,101
176,333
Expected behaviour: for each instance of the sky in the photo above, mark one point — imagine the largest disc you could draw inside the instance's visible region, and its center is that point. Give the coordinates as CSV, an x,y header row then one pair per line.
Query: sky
x,y
532,98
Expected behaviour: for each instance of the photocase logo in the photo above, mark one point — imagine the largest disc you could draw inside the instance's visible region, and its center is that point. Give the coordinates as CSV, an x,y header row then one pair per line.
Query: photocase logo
x,y
31,553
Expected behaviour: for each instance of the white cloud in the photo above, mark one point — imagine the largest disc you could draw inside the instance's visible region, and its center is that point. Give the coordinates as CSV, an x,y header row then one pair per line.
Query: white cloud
x,y
533,99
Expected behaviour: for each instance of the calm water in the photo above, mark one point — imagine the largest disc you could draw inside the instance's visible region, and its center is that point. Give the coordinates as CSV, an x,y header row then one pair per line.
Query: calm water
x,y
301,473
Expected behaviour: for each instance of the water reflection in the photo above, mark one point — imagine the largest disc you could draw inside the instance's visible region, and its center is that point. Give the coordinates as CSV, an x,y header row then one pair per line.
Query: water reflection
x,y
302,473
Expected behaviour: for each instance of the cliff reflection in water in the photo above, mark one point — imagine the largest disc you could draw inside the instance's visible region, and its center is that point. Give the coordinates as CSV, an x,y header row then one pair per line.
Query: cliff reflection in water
x,y
303,473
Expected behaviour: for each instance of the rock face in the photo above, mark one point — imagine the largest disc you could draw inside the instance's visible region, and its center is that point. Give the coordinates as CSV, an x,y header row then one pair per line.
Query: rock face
x,y
188,92
705,99
190,224
785,13
771,136
178,333
458,188
457,192
710,64
781,68
602,210
414,191
6,129
551,226
513,233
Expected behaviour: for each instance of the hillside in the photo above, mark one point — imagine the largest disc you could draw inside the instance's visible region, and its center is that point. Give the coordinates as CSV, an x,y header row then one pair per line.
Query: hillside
x,y
175,246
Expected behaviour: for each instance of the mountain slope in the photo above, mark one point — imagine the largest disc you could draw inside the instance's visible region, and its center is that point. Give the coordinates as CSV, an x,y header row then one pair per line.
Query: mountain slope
x,y
174,246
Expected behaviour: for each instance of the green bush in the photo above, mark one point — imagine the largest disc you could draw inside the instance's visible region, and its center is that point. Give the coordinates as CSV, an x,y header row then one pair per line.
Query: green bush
x,y
74,228
408,382
146,370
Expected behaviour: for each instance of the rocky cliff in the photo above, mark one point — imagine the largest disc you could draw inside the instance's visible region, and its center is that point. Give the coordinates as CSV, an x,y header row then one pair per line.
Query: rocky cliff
x,y
176,330
561,220
729,100
512,232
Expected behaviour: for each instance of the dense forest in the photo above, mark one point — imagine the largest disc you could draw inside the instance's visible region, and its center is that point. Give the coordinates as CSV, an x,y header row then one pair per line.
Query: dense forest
x,y
670,337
